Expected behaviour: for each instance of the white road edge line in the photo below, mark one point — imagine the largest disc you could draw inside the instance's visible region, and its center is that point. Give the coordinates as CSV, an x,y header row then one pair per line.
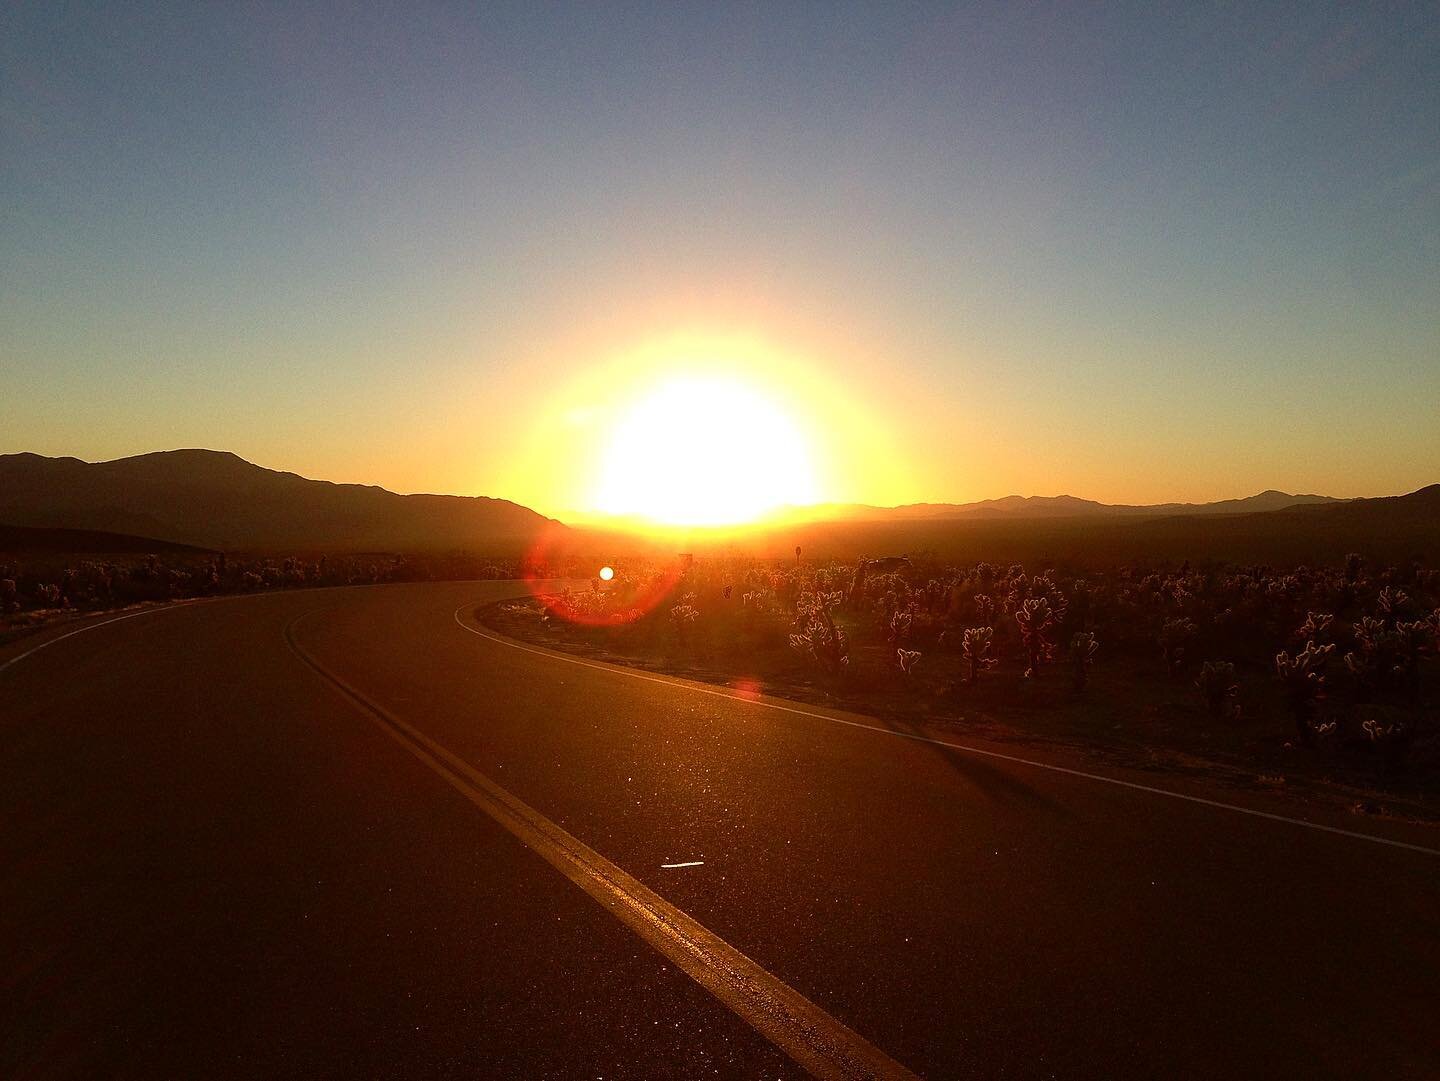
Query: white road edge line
x,y
90,627
1135,785
814,1039
170,606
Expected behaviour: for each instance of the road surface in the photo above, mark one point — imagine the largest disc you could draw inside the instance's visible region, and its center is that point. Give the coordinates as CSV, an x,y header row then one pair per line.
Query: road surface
x,y
345,833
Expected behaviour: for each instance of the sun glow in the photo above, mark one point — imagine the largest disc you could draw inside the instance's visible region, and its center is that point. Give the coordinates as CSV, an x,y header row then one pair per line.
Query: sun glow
x,y
698,434
704,450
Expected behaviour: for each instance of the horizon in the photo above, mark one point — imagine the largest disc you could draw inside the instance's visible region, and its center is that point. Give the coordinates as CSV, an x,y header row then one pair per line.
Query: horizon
x,y
951,255
778,514
1295,492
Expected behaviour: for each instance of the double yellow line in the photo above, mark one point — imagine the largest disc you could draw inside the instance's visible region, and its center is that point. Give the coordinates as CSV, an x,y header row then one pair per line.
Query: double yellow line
x,y
789,1020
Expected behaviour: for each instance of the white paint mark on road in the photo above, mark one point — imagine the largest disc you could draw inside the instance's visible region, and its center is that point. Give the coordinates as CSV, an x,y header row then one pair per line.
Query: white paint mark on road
x,y
619,670
691,863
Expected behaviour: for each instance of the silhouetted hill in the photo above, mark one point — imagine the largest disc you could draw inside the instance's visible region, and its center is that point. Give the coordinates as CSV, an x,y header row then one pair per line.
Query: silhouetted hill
x,y
1053,506
27,539
1389,529
218,500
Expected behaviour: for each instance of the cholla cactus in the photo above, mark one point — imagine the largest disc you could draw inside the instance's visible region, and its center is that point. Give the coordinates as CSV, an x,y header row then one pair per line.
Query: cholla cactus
x,y
1412,638
1283,587
1391,602
1391,734
1373,662
975,646
1217,686
901,623
1083,647
817,637
1304,680
1175,635
1315,627
1037,621
1381,731
683,618
907,659
985,609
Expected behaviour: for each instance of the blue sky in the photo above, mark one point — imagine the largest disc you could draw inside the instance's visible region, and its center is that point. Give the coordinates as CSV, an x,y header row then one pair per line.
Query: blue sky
x,y
1133,252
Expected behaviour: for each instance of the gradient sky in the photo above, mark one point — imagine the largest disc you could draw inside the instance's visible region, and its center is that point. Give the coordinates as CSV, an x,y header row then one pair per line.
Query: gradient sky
x,y
1151,252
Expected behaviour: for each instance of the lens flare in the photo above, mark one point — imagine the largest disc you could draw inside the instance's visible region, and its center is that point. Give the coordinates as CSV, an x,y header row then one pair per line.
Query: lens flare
x,y
607,573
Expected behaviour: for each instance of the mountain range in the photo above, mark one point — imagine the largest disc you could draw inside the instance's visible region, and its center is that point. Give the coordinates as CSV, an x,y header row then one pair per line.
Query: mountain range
x,y
1053,506
217,500
214,499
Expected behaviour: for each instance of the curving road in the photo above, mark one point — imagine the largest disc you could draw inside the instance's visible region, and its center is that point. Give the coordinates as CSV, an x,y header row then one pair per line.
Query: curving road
x,y
348,833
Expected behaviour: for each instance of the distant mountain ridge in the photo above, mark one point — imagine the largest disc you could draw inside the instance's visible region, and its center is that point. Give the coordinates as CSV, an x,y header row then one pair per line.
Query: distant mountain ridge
x,y
1056,506
1387,528
215,499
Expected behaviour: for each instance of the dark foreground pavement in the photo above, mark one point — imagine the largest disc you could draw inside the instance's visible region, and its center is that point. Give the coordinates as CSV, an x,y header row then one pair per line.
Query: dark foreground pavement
x,y
214,865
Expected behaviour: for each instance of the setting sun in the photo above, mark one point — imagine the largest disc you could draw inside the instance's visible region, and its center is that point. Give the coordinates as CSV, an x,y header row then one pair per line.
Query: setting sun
x,y
704,451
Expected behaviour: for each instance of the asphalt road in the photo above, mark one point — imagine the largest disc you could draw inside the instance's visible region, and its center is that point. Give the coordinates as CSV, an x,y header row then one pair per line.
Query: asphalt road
x,y
215,862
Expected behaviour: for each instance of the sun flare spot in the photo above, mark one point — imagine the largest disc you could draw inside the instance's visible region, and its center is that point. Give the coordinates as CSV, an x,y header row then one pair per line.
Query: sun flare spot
x,y
704,451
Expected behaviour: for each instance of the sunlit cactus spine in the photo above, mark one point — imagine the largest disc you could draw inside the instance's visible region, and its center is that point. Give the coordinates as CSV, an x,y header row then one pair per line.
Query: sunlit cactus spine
x,y
1391,733
1392,602
684,616
1316,627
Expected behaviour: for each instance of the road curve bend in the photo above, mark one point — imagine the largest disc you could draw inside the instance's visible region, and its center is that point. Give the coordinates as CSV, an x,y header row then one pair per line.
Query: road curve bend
x,y
353,849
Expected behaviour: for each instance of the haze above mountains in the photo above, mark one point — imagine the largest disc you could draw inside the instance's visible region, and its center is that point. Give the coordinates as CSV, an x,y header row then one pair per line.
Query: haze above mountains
x,y
217,500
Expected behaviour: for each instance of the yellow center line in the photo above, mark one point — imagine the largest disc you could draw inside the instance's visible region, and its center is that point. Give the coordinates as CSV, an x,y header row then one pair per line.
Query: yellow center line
x,y
815,1040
